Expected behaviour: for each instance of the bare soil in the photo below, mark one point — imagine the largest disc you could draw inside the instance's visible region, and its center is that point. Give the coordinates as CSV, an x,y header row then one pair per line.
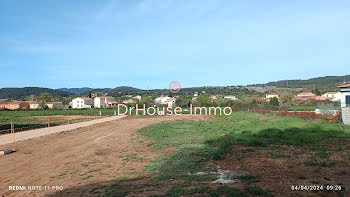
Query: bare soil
x,y
80,157
278,168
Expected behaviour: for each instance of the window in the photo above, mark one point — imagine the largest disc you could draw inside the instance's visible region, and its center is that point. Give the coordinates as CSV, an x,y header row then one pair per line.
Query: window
x,y
347,100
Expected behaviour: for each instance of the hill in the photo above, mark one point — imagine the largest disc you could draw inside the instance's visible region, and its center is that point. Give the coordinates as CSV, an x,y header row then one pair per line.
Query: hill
x,y
125,90
22,93
328,82
118,91
75,90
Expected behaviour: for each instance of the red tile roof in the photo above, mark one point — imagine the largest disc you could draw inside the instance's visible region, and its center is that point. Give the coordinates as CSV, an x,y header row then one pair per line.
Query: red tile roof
x,y
331,93
85,98
344,86
306,94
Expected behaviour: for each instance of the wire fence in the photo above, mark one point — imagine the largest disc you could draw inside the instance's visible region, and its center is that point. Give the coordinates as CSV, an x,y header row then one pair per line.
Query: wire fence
x,y
14,126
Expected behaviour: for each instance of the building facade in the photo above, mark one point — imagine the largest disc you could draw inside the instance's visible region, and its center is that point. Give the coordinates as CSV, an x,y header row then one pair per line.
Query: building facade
x,y
82,103
12,105
345,95
103,102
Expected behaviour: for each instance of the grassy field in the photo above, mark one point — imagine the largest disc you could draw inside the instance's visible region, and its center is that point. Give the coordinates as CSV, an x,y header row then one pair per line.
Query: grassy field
x,y
304,108
30,118
306,152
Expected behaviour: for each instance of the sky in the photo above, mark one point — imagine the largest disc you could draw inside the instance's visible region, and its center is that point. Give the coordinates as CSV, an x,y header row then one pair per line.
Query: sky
x,y
149,43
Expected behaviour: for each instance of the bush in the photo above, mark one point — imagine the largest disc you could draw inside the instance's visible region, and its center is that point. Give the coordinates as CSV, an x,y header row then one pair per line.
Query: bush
x,y
286,106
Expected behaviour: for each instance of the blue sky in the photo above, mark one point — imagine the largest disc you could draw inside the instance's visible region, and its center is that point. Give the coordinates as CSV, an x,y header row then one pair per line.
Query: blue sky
x,y
149,43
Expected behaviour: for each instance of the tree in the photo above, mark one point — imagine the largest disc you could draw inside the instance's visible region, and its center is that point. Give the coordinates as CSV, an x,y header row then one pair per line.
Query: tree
x,y
45,97
43,105
316,91
147,100
31,97
204,100
274,101
287,98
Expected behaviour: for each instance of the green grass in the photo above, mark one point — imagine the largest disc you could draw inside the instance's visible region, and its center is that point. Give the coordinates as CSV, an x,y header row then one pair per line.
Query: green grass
x,y
304,108
24,118
199,141
248,179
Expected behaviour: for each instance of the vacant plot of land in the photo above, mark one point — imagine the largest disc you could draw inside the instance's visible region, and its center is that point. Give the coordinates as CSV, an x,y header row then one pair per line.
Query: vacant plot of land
x,y
39,118
245,154
91,154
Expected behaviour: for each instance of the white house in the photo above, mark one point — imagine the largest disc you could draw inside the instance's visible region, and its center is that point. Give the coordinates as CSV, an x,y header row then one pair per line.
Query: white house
x,y
132,100
230,97
102,102
82,102
33,104
345,95
162,100
272,95
333,96
54,105
170,102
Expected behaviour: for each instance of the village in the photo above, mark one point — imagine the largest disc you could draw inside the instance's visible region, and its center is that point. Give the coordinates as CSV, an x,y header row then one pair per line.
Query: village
x,y
336,100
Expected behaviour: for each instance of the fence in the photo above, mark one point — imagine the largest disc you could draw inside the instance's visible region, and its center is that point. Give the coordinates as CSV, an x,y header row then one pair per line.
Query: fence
x,y
50,122
306,115
327,107
346,115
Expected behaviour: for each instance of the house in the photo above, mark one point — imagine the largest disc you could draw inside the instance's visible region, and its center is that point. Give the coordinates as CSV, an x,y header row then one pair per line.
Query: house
x,y
161,100
54,105
132,100
33,104
102,102
305,95
333,96
321,98
171,102
230,97
82,102
345,95
12,105
272,95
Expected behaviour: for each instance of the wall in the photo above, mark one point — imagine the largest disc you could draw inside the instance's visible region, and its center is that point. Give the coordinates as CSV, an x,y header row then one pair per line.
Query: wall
x,y
345,92
346,115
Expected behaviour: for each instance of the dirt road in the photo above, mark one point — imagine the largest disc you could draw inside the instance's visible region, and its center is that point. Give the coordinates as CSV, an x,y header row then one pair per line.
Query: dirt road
x,y
30,134
96,153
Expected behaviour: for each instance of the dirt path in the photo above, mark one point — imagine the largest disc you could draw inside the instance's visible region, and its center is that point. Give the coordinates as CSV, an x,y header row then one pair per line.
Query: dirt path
x,y
30,134
96,153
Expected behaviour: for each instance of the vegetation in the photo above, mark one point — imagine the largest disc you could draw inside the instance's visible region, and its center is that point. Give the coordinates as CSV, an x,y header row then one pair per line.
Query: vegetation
x,y
29,118
22,93
199,141
328,82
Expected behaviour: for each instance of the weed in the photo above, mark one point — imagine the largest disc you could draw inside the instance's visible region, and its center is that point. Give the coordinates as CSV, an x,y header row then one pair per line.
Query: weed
x,y
310,163
61,175
87,177
301,177
87,164
256,191
248,179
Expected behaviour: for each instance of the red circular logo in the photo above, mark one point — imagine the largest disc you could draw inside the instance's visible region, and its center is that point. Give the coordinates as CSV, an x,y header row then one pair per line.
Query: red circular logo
x,y
174,87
